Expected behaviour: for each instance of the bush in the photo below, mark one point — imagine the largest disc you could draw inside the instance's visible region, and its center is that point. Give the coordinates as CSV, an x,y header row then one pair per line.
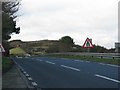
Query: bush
x,y
6,64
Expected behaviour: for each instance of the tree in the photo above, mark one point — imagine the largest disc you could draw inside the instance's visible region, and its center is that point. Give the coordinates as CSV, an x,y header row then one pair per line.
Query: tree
x,y
98,49
67,40
8,19
8,27
66,44
8,22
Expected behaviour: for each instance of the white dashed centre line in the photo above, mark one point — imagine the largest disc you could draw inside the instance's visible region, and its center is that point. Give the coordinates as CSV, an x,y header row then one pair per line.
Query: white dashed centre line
x,y
50,62
104,77
70,68
39,60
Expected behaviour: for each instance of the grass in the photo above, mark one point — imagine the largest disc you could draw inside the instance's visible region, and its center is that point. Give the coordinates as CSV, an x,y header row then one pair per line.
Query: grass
x,y
17,51
88,58
6,64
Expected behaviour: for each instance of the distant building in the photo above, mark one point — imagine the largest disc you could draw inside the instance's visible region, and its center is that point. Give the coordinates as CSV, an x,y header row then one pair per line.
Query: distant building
x,y
117,47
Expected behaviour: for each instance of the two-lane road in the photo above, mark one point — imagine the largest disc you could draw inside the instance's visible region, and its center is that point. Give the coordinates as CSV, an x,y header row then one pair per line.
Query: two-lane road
x,y
65,73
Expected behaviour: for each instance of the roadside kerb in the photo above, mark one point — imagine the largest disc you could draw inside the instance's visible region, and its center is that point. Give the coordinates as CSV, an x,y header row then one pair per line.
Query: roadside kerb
x,y
29,81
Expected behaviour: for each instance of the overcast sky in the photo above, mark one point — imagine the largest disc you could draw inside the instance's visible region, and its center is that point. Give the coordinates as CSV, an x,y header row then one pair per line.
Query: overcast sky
x,y
79,19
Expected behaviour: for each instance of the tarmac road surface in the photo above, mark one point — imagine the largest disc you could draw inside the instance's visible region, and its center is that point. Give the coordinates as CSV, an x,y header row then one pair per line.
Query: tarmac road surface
x,y
50,72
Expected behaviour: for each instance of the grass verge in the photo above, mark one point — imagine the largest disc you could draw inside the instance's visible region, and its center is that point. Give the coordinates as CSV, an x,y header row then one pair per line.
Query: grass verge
x,y
6,64
88,58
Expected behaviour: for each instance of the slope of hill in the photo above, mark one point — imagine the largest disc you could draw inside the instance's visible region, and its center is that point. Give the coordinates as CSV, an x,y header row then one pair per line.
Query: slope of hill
x,y
33,47
17,51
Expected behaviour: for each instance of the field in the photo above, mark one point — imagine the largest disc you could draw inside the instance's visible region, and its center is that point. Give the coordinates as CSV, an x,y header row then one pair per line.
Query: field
x,y
17,51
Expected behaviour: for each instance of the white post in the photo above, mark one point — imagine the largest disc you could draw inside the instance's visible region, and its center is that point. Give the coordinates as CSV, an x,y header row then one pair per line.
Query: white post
x,y
0,42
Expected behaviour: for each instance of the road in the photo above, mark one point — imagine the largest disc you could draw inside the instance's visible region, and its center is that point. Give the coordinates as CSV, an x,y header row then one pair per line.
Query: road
x,y
50,72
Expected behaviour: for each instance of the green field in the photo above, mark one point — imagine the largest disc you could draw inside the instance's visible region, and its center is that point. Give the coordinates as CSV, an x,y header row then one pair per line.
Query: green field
x,y
88,58
6,64
17,51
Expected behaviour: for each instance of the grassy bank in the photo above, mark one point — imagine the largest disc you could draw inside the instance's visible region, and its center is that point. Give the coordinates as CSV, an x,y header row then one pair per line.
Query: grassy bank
x,y
88,58
6,64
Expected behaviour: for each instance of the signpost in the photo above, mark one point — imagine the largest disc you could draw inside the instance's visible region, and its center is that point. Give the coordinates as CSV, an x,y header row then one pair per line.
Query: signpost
x,y
88,44
1,48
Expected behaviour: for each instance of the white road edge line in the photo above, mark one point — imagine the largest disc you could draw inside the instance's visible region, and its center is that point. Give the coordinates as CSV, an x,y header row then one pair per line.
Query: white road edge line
x,y
112,65
78,60
34,83
29,78
24,72
107,78
87,61
102,63
27,75
49,62
70,68
109,65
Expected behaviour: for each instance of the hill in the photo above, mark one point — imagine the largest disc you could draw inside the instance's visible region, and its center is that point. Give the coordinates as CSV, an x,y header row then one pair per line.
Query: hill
x,y
33,47
53,46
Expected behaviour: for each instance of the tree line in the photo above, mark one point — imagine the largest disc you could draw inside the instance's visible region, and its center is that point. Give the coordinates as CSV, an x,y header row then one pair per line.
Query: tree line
x,y
66,44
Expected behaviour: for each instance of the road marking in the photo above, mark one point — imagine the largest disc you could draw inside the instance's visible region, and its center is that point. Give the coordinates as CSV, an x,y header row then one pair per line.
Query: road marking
x,y
27,75
112,65
49,62
39,60
77,60
34,83
109,65
24,72
107,78
87,61
30,78
70,67
102,63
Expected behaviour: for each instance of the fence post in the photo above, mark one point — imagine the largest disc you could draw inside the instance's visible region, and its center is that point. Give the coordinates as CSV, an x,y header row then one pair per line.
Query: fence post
x,y
113,57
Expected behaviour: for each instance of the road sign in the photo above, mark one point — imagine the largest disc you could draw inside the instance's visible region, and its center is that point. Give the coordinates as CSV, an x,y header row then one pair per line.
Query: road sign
x,y
1,48
88,43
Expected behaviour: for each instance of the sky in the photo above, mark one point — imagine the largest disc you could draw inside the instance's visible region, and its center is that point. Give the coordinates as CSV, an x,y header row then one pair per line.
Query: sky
x,y
79,19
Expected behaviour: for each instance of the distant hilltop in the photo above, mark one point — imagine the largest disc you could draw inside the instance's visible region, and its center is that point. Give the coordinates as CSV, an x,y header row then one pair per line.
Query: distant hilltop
x,y
53,46
34,46
15,43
